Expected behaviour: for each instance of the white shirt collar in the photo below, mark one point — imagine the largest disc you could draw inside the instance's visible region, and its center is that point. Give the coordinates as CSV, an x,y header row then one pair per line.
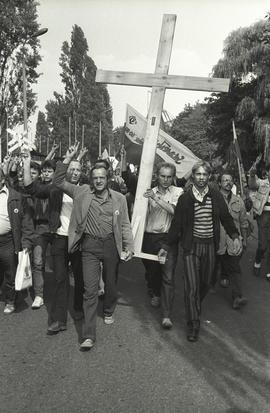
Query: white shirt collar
x,y
199,195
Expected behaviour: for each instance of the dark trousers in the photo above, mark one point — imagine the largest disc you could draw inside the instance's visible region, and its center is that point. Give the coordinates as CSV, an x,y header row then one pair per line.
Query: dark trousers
x,y
199,265
59,304
94,251
41,242
8,266
263,222
161,276
230,268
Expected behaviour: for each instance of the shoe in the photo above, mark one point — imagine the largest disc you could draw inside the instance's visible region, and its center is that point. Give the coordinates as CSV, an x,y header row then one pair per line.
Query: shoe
x,y
193,329
224,282
37,303
9,309
166,323
267,277
55,328
238,301
108,319
256,269
87,344
193,335
101,292
155,301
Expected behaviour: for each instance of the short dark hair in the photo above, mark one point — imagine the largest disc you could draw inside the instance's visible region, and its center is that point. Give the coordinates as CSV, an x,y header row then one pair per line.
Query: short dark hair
x,y
106,163
34,165
202,164
166,165
49,163
95,167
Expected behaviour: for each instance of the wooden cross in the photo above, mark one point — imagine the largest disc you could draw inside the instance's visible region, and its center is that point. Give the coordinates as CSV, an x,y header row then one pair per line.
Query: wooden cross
x,y
159,81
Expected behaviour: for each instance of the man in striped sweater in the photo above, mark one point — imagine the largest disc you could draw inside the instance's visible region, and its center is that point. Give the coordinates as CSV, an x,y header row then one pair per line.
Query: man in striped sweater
x,y
196,224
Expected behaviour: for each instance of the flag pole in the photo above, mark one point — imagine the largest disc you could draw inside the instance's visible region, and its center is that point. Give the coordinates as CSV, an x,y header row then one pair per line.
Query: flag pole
x,y
82,136
238,159
99,140
69,132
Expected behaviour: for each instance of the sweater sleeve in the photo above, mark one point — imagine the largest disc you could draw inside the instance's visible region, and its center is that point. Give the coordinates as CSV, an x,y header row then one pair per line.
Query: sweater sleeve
x,y
175,230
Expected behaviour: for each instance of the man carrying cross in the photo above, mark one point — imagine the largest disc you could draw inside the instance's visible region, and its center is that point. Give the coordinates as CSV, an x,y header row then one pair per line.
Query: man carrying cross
x,y
196,224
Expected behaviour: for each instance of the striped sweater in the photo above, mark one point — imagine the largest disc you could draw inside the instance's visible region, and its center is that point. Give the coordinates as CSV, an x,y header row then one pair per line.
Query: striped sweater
x,y
203,222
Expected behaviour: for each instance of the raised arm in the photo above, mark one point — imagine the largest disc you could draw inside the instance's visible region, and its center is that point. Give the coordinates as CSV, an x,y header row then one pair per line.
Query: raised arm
x,y
52,152
60,173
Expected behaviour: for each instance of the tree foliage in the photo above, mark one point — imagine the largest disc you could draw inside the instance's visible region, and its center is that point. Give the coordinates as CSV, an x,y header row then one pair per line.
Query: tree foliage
x,y
190,127
42,133
83,103
247,62
18,22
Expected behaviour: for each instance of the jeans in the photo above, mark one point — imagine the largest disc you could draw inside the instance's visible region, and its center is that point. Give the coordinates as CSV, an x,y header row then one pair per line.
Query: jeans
x,y
41,242
94,251
59,305
161,276
8,265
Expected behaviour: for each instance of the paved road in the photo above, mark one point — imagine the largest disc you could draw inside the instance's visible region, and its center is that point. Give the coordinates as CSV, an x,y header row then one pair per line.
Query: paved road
x,y
136,367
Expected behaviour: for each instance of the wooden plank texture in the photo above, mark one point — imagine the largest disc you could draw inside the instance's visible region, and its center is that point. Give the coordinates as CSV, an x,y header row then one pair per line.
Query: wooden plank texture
x,y
205,84
152,129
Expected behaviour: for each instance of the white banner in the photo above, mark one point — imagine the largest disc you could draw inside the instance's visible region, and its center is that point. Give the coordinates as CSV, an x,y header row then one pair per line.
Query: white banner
x,y
168,148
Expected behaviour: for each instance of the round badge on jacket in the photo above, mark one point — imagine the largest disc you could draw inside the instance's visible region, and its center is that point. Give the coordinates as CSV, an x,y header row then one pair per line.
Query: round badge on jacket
x,y
16,210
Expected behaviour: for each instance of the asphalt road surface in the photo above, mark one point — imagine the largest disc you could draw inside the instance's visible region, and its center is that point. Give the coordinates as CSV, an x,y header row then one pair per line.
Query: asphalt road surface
x,y
136,367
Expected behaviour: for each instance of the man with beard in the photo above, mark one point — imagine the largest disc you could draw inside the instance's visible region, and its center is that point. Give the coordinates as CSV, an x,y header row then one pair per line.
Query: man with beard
x,y
196,224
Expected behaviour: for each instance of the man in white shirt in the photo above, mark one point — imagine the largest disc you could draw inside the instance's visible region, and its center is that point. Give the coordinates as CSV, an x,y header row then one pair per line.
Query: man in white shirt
x,y
162,201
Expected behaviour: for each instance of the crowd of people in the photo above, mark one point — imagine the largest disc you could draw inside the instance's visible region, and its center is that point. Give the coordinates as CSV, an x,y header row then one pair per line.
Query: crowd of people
x,y
83,215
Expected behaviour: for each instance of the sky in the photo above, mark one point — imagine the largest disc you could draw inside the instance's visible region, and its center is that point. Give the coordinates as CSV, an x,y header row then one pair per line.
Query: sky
x,y
124,35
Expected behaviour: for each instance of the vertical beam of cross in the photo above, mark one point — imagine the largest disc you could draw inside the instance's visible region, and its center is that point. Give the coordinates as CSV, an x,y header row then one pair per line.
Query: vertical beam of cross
x,y
152,129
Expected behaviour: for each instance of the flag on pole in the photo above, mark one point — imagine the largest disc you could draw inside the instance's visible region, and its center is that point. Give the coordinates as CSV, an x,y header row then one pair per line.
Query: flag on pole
x,y
20,141
105,154
242,176
168,148
236,144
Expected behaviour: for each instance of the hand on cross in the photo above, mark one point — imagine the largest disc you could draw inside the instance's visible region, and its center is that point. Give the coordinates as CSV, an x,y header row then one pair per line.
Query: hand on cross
x,y
150,194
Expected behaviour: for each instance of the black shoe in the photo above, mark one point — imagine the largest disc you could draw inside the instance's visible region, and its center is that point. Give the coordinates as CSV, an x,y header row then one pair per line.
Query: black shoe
x,y
55,328
193,329
238,302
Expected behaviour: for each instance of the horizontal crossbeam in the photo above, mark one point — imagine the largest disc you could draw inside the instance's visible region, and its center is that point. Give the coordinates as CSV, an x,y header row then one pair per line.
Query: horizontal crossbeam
x,y
207,84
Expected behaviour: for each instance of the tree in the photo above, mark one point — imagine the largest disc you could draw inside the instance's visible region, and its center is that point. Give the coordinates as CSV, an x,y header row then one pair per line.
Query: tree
x,y
190,127
84,102
18,22
247,61
221,109
42,133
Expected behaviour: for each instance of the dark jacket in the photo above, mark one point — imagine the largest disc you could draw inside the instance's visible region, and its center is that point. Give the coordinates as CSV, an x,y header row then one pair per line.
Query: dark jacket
x,y
20,220
55,196
183,220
